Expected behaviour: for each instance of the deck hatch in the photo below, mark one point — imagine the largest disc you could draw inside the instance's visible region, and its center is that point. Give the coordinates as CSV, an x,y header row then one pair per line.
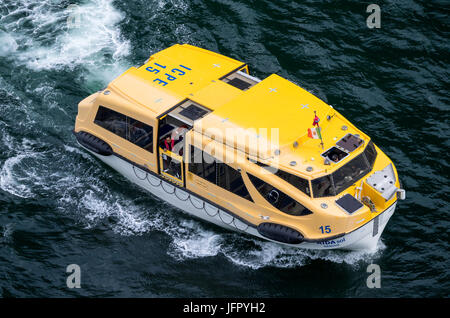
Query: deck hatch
x,y
193,112
188,112
238,83
349,204
241,80
334,154
350,142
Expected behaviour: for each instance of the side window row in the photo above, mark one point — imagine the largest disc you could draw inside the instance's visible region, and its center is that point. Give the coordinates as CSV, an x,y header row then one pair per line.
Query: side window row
x,y
126,127
221,174
299,183
278,199
207,167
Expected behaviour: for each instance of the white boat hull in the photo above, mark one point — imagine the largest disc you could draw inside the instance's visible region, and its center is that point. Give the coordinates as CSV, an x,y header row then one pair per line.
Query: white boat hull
x,y
365,237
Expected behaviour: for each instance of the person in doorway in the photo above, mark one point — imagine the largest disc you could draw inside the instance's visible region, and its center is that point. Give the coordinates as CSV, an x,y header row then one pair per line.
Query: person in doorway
x,y
168,143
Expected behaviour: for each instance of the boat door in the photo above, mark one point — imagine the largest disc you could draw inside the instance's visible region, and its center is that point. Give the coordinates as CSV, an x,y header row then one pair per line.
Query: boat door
x,y
172,129
171,166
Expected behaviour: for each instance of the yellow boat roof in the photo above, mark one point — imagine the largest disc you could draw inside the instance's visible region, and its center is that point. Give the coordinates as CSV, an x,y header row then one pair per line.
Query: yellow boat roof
x,y
158,86
273,104
274,111
278,113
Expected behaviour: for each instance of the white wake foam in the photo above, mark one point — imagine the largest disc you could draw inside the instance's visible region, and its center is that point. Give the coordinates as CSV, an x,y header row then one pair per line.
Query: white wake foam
x,y
50,36
7,44
14,178
128,220
192,239
254,253
11,183
81,188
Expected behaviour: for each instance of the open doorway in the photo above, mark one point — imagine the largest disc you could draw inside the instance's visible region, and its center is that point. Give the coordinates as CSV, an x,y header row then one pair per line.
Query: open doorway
x,y
172,134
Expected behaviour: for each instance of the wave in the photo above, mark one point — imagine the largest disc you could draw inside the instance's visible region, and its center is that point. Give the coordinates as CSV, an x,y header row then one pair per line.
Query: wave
x,y
125,217
14,177
6,232
10,182
193,239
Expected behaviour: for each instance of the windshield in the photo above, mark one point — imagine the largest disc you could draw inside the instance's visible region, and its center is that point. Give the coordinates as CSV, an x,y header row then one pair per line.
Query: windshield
x,y
299,183
322,187
345,176
370,153
350,173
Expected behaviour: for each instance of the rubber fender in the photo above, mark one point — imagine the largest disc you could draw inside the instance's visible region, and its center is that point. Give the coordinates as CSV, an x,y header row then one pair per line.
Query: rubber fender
x,y
94,143
280,233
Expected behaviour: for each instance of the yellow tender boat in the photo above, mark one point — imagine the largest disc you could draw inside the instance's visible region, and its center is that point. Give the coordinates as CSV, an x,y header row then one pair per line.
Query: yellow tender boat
x,y
264,157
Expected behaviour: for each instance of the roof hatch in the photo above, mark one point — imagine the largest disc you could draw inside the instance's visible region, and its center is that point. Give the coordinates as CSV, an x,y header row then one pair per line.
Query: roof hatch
x,y
241,80
188,112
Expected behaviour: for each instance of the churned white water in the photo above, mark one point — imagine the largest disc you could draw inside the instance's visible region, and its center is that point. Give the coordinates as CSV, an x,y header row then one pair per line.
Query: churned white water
x,y
66,37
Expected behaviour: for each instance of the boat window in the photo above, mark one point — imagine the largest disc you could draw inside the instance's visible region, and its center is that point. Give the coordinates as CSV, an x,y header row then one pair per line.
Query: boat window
x,y
171,133
345,176
350,173
231,180
126,127
298,182
322,187
370,153
111,120
193,112
207,167
221,175
188,112
278,199
140,134
196,162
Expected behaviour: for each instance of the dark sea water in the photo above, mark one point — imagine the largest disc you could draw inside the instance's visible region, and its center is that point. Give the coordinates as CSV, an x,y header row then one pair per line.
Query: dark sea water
x,y
60,206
